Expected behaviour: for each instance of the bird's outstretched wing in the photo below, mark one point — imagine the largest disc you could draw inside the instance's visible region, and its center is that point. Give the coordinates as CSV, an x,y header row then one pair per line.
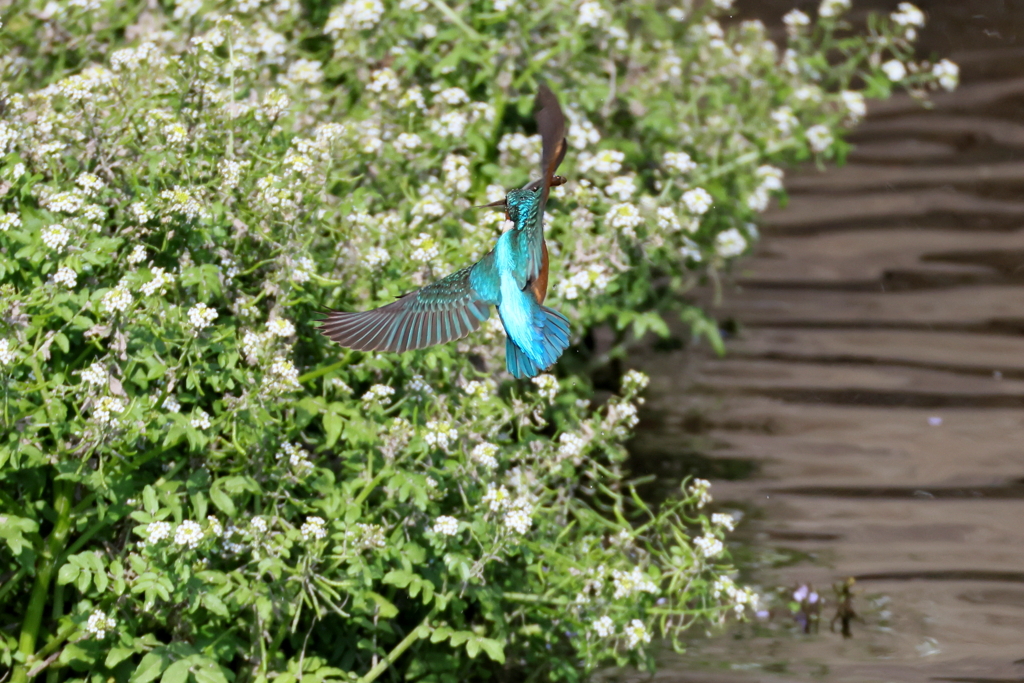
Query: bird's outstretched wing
x,y
551,126
441,312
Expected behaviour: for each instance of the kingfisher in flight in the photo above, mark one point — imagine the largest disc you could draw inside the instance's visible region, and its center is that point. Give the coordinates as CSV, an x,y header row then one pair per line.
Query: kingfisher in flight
x,y
512,276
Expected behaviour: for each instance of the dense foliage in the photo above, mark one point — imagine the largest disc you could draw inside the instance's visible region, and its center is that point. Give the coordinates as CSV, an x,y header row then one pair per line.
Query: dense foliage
x,y
195,484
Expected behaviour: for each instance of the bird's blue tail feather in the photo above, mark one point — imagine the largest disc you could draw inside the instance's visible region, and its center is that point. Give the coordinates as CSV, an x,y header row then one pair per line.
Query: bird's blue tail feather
x,y
552,338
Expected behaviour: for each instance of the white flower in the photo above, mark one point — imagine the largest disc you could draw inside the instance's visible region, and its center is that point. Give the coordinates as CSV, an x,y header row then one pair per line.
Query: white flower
x,y
894,70
948,74
625,217
456,171
105,406
496,499
383,80
484,453
668,219
8,221
282,376
730,243
854,102
157,531
724,520
181,200
440,434
785,120
819,137
451,124
95,374
709,546
303,269
680,161
376,257
621,187
634,381
519,517
424,248
636,633
547,386
604,627
189,534
201,316
90,184
55,236
231,172
117,300
280,327
723,4
66,202
590,13
65,276
378,393
795,20
700,489
676,14
628,583
446,526
161,280
200,419
407,142
138,255
171,404
452,96
698,201
691,250
606,161
907,14
314,526
259,525
570,445
305,71
833,8
99,623
216,528
358,15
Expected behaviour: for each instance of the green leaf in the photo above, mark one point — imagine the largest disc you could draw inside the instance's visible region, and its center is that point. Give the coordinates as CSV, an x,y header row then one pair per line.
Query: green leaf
x,y
208,671
67,573
494,649
385,609
400,578
222,500
117,655
473,647
177,672
151,666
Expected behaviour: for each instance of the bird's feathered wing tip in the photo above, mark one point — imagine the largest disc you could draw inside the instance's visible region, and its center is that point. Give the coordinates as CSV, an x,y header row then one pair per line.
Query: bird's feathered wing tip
x,y
554,340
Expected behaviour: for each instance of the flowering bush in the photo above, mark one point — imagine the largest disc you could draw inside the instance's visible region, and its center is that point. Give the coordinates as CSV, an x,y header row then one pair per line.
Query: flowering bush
x,y
196,483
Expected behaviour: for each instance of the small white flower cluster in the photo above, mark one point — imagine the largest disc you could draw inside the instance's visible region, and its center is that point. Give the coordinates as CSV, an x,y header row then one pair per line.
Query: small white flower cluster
x,y
698,201
709,546
740,598
795,20
593,279
200,419
298,458
367,537
636,633
231,172
604,627
280,327
606,161
95,374
624,216
630,583
484,453
55,236
117,299
894,70
200,317
516,146
451,124
730,243
159,284
724,520
66,202
106,407
907,14
183,201
383,80
379,393
833,8
570,446
771,181
418,387
679,162
99,623
701,490
948,74
590,13
634,381
375,257
9,220
519,517
785,120
819,137
171,404
582,133
440,433
547,386
854,102
446,526
456,172
302,269
407,142
188,534
622,416
137,255
314,527
424,248
476,389
65,276
282,376
354,15
156,532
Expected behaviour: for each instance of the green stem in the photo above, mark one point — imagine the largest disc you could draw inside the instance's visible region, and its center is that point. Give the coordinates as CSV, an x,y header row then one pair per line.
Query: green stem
x,y
421,631
319,372
45,569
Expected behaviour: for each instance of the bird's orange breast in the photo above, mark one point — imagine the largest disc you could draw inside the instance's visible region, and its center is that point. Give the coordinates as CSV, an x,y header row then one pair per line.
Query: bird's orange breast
x,y
539,286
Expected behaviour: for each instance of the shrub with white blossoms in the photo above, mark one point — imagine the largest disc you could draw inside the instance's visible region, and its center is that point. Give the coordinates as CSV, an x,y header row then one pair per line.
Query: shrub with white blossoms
x,y
197,483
